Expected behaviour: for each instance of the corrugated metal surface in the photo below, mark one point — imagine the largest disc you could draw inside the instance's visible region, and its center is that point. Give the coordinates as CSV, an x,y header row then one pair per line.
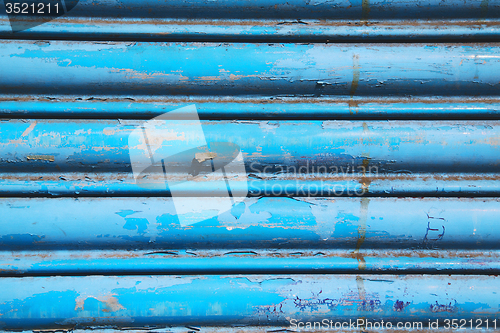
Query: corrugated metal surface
x,y
370,135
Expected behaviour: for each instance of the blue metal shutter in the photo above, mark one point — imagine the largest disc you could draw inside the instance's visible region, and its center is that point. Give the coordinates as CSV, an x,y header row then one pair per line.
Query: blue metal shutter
x,y
370,136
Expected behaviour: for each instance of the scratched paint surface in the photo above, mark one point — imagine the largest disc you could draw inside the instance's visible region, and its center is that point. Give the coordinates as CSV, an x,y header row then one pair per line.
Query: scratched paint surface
x,y
284,108
99,145
269,30
255,300
319,158
248,69
123,185
377,121
247,261
291,9
151,223
321,21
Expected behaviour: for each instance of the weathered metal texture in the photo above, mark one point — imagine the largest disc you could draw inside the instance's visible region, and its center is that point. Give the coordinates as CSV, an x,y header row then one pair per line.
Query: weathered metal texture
x,y
292,21
264,30
299,158
123,185
192,301
288,9
337,139
286,223
388,147
247,261
128,69
266,235
253,108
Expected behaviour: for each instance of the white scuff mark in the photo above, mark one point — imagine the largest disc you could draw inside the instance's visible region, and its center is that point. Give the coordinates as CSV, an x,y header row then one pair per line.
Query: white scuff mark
x,y
246,219
202,157
82,131
29,129
159,135
269,126
325,220
484,56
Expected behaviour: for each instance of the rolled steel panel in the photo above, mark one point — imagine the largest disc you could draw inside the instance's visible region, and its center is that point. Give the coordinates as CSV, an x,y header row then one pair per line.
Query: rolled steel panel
x,y
128,69
337,140
297,148
282,158
292,9
89,184
264,21
270,30
256,223
244,108
246,261
281,300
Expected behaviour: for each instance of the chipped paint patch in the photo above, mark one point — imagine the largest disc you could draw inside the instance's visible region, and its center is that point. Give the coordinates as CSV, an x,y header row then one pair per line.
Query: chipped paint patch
x,y
29,129
110,301
269,126
202,157
48,158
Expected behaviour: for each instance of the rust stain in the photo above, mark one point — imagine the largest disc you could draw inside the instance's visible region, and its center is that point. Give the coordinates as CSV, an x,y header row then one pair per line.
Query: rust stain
x,y
49,158
365,181
360,283
355,80
365,10
361,233
484,9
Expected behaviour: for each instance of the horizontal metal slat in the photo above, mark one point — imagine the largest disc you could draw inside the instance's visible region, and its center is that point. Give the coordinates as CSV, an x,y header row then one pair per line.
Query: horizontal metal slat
x,y
247,108
290,21
230,30
287,223
115,302
88,184
291,9
128,69
359,242
269,21
297,148
247,261
282,158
